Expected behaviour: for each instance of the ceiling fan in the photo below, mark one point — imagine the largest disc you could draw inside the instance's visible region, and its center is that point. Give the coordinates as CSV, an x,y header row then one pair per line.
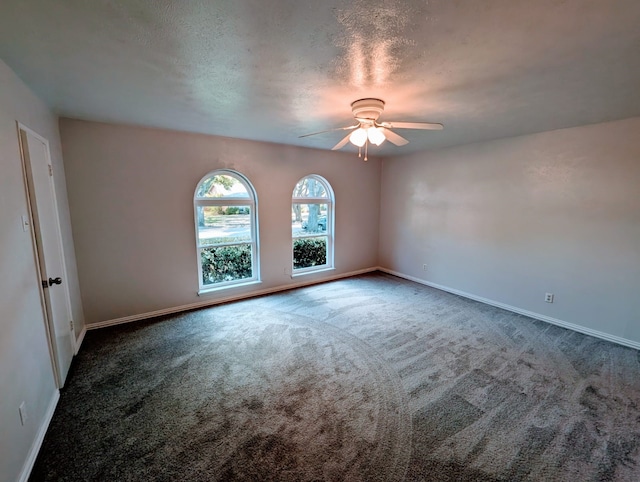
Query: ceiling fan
x,y
369,130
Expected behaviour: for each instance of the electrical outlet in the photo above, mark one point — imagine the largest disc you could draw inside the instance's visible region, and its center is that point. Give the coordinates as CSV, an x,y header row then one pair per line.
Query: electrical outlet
x,y
23,413
424,267
548,297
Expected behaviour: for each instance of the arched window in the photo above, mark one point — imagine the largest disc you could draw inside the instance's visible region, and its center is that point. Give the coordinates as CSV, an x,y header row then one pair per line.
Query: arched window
x,y
225,208
312,210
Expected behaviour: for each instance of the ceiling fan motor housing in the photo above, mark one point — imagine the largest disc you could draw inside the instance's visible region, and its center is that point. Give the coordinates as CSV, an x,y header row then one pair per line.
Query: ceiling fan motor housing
x,y
367,109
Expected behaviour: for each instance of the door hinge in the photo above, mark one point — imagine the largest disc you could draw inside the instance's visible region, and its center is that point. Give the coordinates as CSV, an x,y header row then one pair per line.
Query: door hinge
x,y
50,170
45,284
70,325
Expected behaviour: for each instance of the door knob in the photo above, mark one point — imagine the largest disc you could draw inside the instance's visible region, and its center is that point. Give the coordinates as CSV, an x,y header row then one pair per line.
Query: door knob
x,y
56,281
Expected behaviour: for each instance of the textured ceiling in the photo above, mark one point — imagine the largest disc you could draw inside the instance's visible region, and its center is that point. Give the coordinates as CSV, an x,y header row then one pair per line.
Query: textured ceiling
x,y
274,70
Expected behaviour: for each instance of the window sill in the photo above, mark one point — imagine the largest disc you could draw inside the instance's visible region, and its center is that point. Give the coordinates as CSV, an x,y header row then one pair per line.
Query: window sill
x,y
313,271
228,287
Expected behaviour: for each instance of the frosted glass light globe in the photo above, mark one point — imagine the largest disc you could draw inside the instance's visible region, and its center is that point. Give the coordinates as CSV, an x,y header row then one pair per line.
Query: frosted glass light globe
x,y
376,136
358,137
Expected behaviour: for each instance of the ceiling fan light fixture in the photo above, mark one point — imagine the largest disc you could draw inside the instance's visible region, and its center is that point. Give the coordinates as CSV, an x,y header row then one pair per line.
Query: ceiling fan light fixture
x,y
369,131
376,135
358,137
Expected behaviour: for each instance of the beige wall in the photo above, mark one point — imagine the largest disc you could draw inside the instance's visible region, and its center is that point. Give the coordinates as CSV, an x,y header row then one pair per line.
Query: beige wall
x,y
25,367
131,199
506,220
512,219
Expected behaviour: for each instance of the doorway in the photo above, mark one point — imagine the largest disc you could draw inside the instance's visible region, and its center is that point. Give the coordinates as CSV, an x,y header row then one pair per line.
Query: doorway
x,y
48,249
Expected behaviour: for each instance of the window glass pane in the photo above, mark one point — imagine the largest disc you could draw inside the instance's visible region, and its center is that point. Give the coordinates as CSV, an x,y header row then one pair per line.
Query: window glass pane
x,y
309,252
223,224
309,187
225,263
308,218
221,186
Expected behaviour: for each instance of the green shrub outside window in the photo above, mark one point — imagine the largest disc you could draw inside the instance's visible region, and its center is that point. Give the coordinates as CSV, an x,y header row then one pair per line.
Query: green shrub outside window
x,y
309,252
226,263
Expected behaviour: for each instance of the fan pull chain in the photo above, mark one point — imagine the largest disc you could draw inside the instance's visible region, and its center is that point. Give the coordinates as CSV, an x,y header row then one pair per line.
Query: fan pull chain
x,y
359,151
366,144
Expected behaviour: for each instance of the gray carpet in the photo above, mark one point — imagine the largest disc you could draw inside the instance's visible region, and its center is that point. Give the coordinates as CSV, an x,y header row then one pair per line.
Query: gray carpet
x,y
371,378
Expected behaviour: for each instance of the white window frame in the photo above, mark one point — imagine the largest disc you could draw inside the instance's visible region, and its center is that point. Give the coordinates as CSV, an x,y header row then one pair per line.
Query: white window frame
x,y
330,231
252,203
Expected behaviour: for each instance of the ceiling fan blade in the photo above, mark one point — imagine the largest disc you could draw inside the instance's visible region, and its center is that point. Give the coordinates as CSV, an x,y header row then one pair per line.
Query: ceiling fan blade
x,y
342,143
413,125
330,130
394,138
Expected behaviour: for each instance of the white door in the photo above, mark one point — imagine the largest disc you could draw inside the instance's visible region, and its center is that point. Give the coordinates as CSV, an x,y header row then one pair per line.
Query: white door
x,y
49,253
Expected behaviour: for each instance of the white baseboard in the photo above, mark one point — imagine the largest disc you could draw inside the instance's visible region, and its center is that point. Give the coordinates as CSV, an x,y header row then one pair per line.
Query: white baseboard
x,y
217,301
554,321
80,339
37,443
